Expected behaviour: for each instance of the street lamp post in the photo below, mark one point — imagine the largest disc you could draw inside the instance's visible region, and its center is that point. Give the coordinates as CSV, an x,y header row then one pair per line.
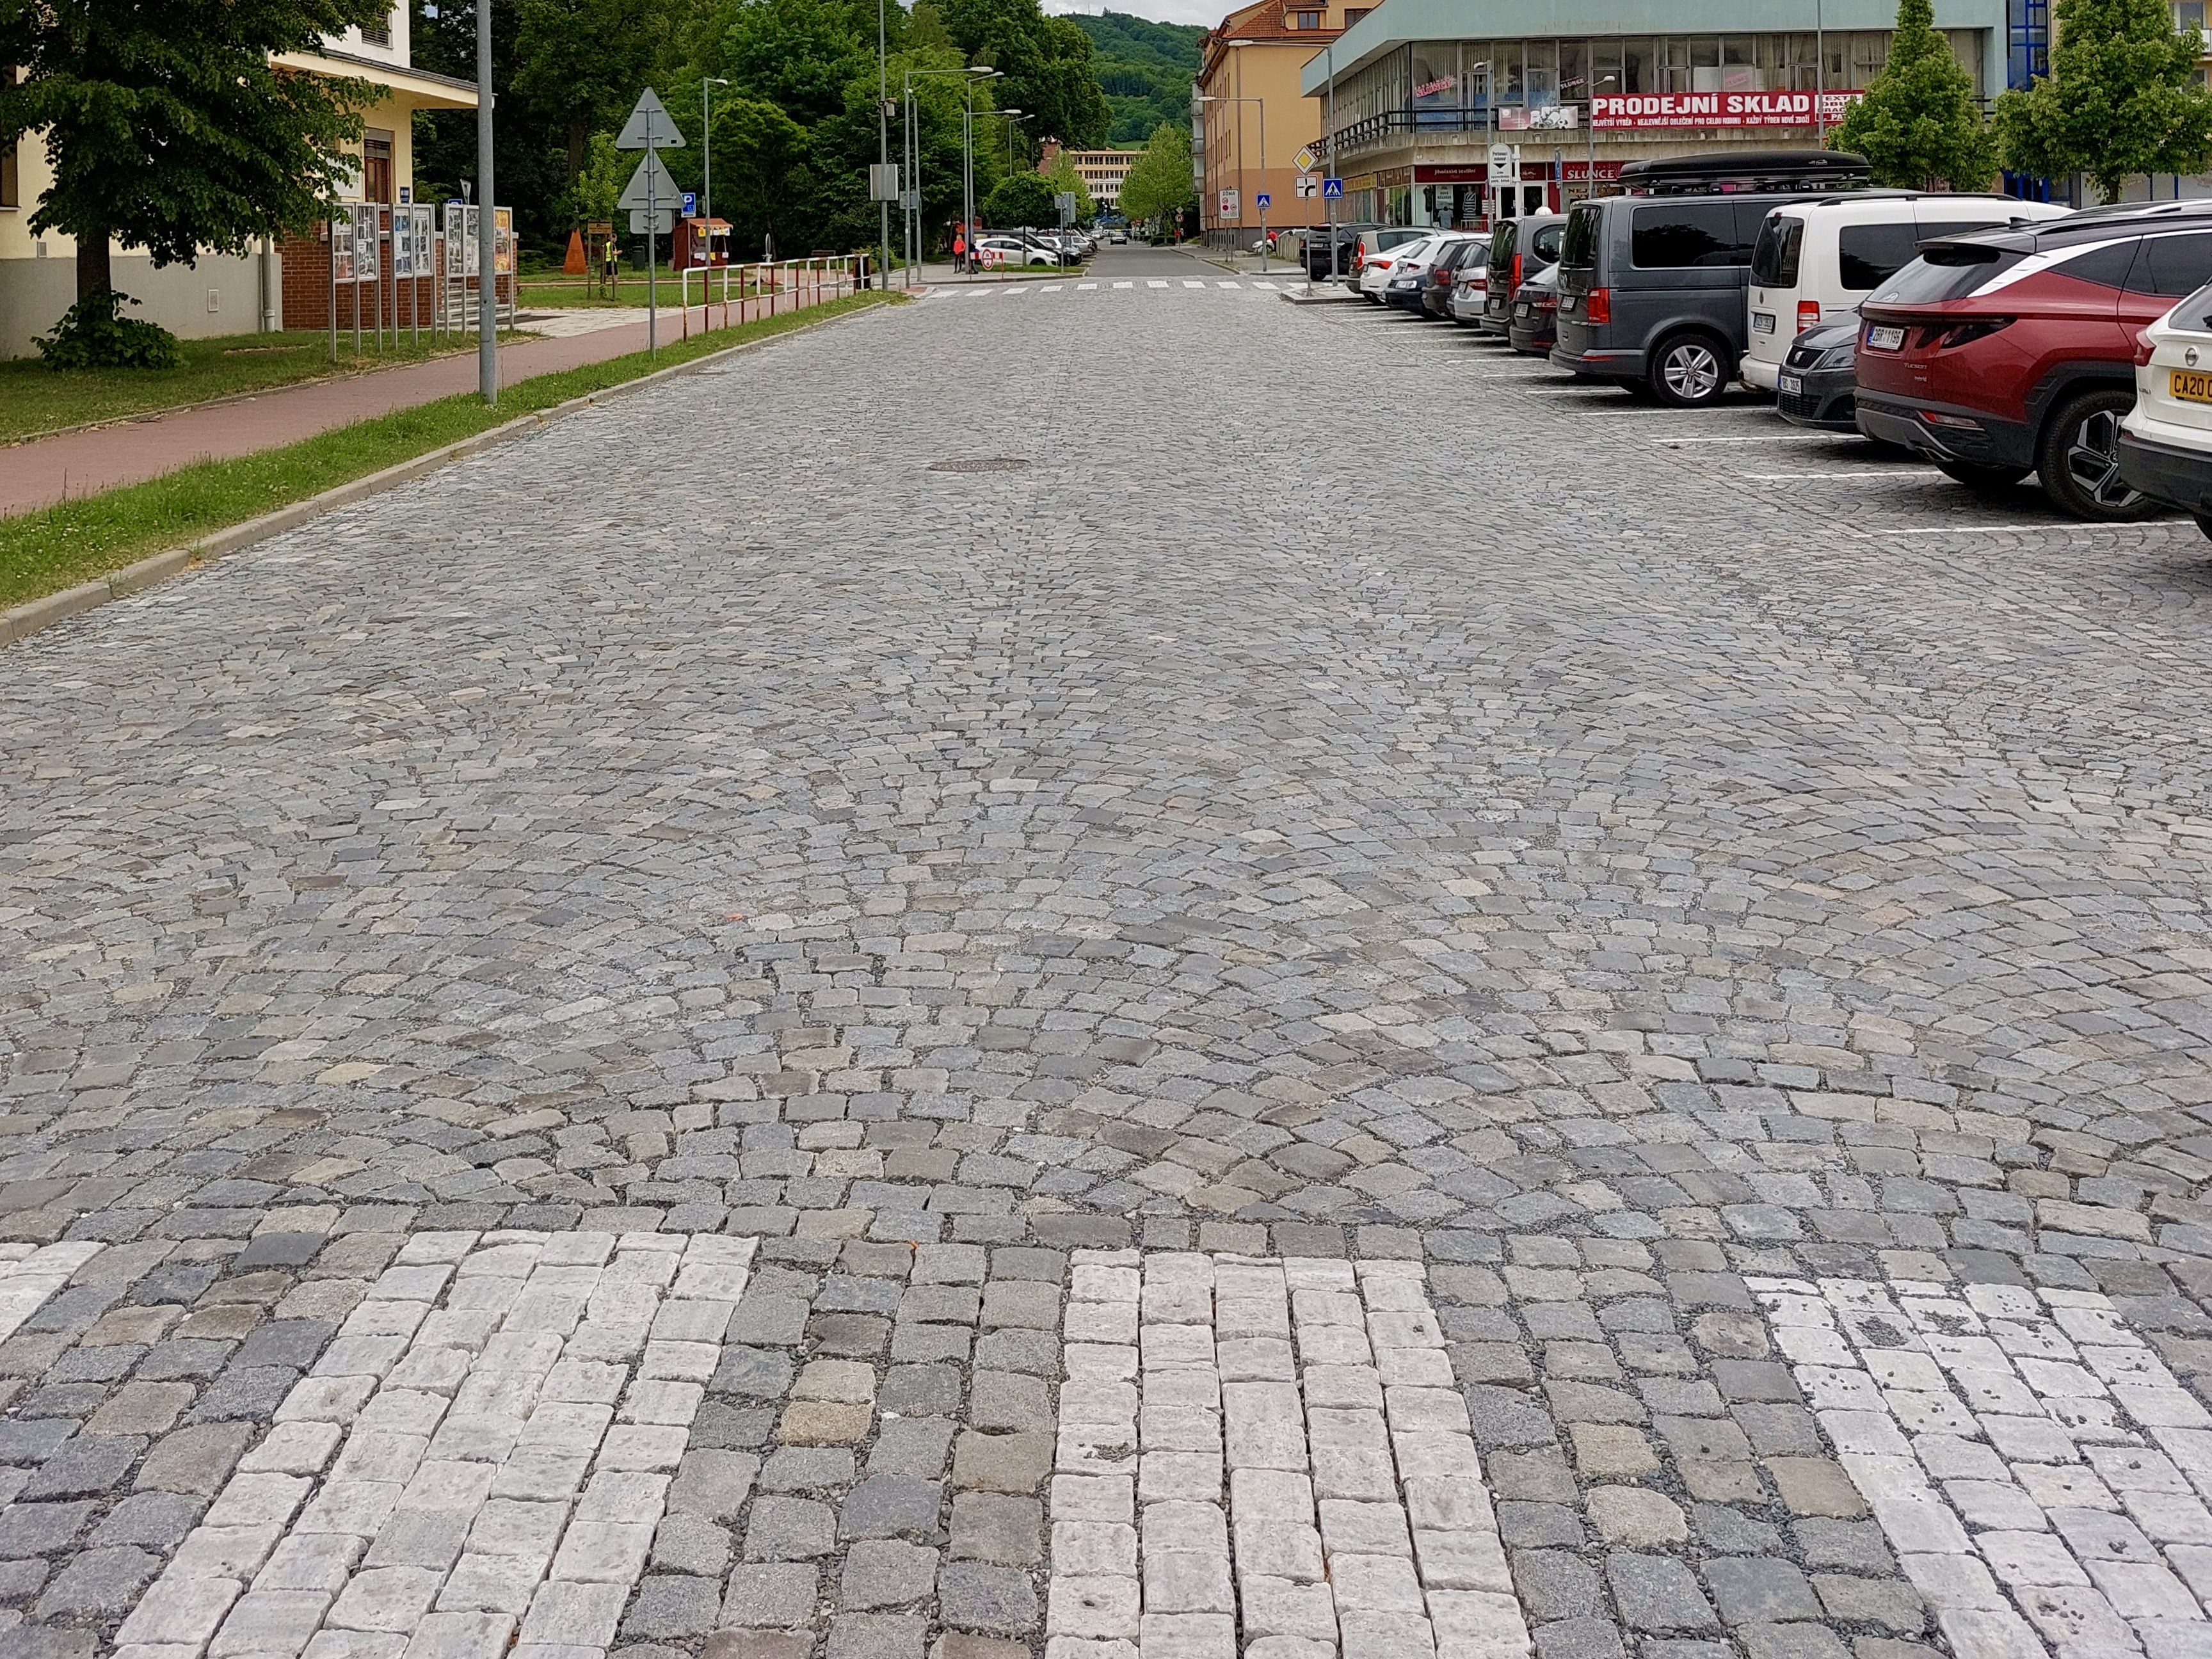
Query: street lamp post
x,y
1328,201
487,232
1820,77
913,182
1012,118
968,149
884,138
1223,98
707,159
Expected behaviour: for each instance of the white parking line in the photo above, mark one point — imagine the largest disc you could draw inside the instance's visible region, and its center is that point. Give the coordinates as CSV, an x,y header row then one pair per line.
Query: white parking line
x,y
1050,288
1085,287
1887,472
1228,285
1768,437
1156,283
1133,285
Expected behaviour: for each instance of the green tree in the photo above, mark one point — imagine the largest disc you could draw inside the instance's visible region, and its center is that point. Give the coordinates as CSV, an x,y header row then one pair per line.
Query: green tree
x,y
798,55
1918,125
598,187
1026,199
580,64
168,126
1144,67
1159,182
1063,177
2121,99
1046,63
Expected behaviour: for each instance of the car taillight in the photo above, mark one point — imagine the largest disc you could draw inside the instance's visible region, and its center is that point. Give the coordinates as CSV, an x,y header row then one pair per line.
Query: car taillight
x,y
1548,301
1517,270
1597,307
2144,346
1359,259
1808,314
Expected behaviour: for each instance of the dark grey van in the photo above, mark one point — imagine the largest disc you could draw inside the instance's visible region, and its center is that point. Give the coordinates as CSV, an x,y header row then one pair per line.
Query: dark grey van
x,y
1532,243
1651,286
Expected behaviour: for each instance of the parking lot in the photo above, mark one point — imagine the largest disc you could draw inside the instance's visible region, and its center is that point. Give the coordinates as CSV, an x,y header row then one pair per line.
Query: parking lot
x,y
1131,964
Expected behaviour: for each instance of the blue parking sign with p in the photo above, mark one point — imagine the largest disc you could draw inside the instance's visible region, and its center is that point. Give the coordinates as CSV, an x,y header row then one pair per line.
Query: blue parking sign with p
x,y
690,203
1331,186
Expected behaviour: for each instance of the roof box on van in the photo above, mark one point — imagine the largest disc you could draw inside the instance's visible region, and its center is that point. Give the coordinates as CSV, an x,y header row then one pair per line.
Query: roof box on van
x,y
1730,171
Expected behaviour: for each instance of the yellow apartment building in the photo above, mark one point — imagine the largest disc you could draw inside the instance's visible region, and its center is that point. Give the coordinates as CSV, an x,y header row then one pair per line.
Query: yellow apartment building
x,y
1250,118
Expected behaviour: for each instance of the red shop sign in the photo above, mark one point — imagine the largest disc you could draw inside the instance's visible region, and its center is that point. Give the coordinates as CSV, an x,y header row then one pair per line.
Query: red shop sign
x,y
1649,110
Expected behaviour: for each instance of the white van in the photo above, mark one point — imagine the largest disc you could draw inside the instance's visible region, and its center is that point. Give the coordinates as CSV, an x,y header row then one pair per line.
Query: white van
x,y
1815,261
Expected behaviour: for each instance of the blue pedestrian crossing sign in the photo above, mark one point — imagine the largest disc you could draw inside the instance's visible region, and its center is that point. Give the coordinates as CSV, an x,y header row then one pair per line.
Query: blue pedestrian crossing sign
x,y
1261,200
1331,186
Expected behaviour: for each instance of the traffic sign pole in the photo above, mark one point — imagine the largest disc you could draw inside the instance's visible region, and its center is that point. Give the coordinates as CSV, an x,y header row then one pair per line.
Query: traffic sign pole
x,y
487,254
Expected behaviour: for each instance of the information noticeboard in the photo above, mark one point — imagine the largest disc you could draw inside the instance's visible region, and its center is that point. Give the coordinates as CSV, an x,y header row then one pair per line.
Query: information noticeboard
x,y
368,226
342,247
502,247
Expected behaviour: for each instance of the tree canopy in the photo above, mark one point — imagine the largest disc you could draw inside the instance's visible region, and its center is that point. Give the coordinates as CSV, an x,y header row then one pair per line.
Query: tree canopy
x,y
2121,99
1159,182
169,129
1917,126
1144,67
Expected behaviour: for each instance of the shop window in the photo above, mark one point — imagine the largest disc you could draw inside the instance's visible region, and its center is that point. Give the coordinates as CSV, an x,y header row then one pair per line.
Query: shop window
x,y
376,167
1639,67
1505,60
1574,69
1740,64
1704,64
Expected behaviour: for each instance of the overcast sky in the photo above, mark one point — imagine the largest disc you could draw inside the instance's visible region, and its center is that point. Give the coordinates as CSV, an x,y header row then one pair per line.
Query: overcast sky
x,y
1207,12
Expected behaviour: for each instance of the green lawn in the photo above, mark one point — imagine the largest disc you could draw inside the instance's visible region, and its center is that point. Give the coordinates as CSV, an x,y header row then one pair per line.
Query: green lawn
x,y
43,552
548,292
33,398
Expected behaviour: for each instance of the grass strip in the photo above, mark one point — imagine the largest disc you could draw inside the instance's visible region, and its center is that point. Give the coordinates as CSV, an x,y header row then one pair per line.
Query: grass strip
x,y
35,400
59,546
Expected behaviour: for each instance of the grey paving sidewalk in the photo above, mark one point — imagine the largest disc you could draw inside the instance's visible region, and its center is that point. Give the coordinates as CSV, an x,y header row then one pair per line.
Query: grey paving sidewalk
x,y
758,1028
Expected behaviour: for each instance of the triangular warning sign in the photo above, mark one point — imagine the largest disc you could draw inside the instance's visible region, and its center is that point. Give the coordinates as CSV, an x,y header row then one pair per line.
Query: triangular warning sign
x,y
650,119
651,175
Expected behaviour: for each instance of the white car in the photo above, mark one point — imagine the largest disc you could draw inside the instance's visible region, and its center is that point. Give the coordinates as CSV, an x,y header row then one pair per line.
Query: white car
x,y
2166,439
1818,261
1375,276
1470,289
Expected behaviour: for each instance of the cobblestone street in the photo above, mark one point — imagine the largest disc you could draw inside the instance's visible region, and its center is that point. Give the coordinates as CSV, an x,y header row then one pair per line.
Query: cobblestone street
x,y
1118,973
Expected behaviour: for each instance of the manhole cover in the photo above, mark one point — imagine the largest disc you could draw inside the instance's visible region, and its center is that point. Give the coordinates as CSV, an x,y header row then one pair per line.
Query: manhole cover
x,y
981,464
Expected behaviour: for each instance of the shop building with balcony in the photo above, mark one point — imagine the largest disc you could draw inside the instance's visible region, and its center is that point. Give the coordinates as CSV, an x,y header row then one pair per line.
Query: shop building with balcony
x,y
283,283
1419,95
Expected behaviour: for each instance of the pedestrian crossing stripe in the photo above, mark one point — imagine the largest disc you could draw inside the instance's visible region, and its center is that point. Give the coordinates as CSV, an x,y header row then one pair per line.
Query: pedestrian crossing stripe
x,y
1014,290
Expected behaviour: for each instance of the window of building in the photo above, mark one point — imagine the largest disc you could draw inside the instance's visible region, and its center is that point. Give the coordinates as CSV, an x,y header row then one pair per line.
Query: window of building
x,y
376,166
1305,20
377,34
2188,14
1353,13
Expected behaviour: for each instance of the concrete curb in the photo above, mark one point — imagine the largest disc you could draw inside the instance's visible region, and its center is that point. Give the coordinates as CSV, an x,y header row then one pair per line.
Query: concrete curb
x,y
24,620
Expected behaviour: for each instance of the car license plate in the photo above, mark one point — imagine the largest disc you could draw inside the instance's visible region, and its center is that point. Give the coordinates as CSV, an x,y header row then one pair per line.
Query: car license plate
x,y
1762,322
2190,387
1882,337
1789,383
1521,310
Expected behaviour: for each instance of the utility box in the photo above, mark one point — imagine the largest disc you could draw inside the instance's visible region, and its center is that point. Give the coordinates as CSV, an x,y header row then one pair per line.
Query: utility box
x,y
700,243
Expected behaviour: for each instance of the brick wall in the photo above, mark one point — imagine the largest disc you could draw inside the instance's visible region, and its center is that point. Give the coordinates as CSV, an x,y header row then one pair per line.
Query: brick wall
x,y
308,289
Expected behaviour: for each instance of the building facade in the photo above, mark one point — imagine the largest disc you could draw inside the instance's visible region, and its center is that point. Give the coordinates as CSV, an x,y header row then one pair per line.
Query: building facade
x,y
1422,96
1102,172
278,285
1250,120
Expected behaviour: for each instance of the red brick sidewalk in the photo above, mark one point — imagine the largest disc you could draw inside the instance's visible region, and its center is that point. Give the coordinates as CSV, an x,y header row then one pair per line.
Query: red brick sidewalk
x,y
48,470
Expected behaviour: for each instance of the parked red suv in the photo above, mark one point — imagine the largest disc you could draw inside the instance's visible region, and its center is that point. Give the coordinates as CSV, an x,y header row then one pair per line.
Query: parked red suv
x,y
2004,351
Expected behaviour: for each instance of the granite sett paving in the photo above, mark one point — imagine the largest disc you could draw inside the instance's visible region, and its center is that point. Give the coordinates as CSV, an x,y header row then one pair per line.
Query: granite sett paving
x,y
1375,1000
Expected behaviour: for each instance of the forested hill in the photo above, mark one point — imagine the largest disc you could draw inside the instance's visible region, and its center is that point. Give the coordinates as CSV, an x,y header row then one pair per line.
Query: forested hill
x,y
1145,68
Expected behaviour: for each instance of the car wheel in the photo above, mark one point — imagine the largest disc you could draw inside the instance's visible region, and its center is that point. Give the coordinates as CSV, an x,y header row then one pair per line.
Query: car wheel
x,y
1690,371
1982,480
2078,460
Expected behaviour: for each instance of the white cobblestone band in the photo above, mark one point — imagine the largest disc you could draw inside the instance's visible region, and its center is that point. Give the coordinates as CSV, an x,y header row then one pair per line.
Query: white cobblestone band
x,y
2040,1473
29,1276
1270,1451
488,1442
